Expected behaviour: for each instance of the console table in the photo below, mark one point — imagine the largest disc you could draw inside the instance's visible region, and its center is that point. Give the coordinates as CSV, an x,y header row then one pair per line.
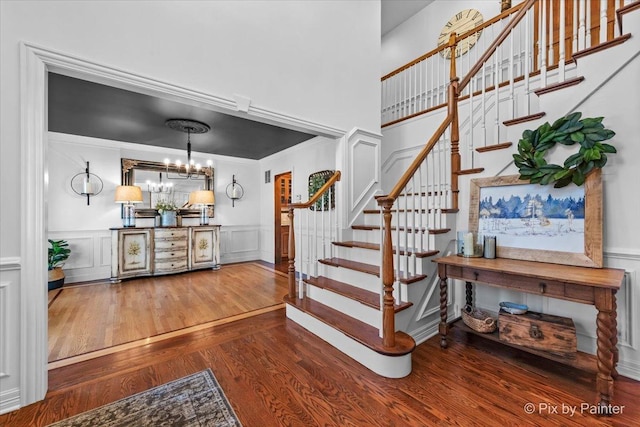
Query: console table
x,y
594,286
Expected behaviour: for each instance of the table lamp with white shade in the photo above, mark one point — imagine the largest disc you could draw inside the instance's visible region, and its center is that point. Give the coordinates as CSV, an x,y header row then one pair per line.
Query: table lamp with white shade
x,y
203,199
128,195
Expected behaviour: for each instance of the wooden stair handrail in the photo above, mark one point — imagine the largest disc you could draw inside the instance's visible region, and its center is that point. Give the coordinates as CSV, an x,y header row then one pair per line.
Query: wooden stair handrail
x,y
497,42
334,178
291,269
404,179
463,36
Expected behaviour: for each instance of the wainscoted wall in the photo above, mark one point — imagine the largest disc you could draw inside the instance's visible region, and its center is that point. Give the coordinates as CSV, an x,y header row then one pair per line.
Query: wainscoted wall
x,y
9,333
239,243
90,257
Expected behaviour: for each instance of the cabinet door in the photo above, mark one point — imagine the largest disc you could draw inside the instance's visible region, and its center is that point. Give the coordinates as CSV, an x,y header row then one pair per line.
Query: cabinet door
x,y
204,247
134,255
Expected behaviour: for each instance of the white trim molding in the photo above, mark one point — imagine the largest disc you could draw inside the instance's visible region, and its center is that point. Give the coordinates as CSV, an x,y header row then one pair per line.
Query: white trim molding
x,y
35,63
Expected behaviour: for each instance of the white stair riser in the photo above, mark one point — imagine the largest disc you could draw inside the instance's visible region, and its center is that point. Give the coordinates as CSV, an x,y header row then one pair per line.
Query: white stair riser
x,y
352,277
373,236
355,309
437,220
370,256
387,366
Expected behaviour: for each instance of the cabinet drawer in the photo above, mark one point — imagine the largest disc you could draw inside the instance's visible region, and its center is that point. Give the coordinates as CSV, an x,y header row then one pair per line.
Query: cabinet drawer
x,y
165,266
526,284
166,255
171,233
170,244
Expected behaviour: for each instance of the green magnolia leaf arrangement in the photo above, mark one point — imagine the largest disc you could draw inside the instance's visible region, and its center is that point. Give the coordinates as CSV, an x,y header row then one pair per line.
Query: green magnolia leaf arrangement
x,y
534,144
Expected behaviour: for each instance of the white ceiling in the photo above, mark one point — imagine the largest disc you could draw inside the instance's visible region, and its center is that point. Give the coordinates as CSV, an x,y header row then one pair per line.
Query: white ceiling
x,y
395,12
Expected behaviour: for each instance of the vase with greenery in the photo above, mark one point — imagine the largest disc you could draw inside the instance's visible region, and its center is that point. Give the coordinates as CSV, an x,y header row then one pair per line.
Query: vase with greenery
x,y
167,210
58,253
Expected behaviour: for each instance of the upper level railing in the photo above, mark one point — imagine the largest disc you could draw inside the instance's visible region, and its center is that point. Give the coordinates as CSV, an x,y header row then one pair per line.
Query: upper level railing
x,y
533,48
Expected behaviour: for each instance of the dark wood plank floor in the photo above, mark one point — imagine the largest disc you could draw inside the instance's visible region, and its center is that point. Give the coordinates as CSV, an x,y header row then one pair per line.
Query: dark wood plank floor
x,y
275,373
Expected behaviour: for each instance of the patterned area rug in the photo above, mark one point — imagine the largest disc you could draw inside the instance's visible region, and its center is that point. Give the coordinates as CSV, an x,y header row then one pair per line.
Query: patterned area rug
x,y
195,400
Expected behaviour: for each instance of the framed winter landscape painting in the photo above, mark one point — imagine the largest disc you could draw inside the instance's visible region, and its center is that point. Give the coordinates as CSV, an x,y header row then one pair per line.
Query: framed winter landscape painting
x,y
539,222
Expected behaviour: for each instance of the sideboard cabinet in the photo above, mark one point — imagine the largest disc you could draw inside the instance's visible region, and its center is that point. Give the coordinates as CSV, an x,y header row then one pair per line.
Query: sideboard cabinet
x,y
154,251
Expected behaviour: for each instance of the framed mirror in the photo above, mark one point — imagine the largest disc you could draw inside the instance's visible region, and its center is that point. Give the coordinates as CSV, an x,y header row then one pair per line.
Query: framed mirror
x,y
161,182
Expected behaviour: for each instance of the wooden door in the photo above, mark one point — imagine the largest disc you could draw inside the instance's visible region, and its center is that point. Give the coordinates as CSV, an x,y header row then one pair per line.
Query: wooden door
x,y
282,197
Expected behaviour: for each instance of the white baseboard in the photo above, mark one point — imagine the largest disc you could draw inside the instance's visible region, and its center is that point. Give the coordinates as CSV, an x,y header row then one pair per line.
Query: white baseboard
x,y
9,400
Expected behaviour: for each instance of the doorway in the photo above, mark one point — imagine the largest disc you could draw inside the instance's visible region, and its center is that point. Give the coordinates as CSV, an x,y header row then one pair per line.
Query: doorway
x,y
282,197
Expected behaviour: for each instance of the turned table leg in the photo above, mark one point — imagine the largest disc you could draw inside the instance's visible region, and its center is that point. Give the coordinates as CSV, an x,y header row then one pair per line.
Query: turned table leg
x,y
443,328
606,331
614,335
469,293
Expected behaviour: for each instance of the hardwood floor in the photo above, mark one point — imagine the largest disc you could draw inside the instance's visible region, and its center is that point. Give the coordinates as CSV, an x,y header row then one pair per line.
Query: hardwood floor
x,y
85,319
275,373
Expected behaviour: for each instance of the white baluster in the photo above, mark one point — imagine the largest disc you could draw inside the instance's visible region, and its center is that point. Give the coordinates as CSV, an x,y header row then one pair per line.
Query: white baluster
x,y
603,21
587,40
496,90
527,61
414,225
420,245
542,50
322,215
561,44
511,63
406,232
551,51
582,32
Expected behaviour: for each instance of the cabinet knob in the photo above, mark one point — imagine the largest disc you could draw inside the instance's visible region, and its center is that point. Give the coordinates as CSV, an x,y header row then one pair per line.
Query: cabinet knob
x,y
543,287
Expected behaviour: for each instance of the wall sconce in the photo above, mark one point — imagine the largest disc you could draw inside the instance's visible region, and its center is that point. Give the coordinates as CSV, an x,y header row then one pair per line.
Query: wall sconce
x,y
86,184
234,191
202,198
128,195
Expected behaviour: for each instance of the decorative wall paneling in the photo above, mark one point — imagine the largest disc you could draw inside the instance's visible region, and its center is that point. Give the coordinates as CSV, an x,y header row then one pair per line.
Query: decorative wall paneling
x,y
9,333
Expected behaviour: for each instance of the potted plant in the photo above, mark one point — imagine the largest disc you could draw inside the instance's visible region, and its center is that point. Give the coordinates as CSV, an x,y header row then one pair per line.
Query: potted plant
x,y
58,253
167,210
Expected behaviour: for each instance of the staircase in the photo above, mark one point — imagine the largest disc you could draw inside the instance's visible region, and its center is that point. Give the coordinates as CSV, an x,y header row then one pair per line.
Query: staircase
x,y
375,294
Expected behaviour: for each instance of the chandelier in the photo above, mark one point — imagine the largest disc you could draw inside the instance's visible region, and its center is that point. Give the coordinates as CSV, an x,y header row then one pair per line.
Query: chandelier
x,y
190,169
159,187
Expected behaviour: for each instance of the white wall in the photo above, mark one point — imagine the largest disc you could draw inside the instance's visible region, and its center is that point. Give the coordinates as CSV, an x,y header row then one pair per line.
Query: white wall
x,y
419,34
319,65
302,160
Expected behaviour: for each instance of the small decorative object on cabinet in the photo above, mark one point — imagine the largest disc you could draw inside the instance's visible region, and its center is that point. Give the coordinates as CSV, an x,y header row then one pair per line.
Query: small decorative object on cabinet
x,y
168,211
470,244
234,191
128,195
86,184
58,253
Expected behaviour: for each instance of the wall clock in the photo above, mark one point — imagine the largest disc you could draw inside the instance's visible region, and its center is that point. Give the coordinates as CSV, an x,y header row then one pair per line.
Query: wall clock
x,y
460,23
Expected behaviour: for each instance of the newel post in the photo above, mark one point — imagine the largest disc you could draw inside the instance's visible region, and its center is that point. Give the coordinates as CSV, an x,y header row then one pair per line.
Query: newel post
x,y
291,270
455,140
388,312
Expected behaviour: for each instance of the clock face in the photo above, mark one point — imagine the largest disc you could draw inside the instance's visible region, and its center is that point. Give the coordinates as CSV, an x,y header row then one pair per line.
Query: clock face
x,y
462,22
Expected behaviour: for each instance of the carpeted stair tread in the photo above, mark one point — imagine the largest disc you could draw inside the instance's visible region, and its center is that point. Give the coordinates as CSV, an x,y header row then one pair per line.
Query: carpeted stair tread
x,y
363,296
410,230
376,247
352,265
363,333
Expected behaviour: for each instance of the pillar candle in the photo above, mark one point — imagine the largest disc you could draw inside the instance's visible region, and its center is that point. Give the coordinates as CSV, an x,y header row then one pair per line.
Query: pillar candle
x,y
468,244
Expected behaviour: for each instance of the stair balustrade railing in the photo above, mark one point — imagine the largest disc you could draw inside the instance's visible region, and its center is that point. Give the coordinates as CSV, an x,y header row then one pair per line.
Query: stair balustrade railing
x,y
530,49
314,239
440,194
